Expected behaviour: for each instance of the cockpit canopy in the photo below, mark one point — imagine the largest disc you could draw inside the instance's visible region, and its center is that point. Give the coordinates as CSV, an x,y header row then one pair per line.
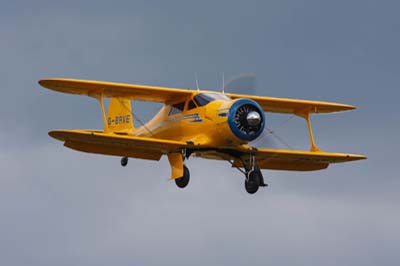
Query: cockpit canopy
x,y
205,98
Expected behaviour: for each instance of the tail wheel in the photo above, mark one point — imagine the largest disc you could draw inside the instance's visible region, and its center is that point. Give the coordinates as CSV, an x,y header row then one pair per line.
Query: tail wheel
x,y
252,182
183,181
124,161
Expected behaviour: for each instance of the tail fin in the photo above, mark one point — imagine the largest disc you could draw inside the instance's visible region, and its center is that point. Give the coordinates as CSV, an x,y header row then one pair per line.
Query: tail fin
x,y
119,116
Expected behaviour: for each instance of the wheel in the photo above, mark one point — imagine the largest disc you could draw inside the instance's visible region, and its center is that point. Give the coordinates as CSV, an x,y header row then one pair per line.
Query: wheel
x,y
183,181
124,161
252,182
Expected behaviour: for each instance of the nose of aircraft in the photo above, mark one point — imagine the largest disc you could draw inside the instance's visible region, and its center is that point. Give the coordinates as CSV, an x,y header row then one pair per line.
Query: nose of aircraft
x,y
246,119
253,118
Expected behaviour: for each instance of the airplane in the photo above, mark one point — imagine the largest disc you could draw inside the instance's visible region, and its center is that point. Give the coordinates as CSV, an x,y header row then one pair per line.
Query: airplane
x,y
207,124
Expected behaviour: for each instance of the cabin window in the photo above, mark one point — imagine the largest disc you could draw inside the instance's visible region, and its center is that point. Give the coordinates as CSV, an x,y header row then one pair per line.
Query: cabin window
x,y
177,108
191,105
205,98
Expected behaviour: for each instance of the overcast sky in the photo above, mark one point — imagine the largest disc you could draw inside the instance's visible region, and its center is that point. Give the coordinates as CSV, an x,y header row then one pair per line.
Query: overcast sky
x,y
61,207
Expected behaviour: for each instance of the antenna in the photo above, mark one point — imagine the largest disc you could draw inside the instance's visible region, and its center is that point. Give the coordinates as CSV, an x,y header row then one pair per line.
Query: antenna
x,y
197,82
223,82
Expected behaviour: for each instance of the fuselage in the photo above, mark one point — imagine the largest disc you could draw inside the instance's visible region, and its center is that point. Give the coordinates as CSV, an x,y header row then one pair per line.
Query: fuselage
x,y
207,119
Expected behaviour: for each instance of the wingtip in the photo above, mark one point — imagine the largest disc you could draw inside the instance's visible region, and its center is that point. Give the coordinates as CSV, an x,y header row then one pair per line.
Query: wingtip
x,y
359,157
348,107
52,134
55,134
43,82
352,107
47,81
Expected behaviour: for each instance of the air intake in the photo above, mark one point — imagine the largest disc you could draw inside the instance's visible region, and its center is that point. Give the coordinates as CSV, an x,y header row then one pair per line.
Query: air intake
x,y
246,119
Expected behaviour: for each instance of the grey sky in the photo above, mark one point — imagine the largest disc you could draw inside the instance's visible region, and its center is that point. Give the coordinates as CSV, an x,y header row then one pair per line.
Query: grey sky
x,y
62,207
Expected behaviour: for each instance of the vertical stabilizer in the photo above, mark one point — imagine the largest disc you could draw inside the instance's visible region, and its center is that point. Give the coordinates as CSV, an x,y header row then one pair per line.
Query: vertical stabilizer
x,y
119,115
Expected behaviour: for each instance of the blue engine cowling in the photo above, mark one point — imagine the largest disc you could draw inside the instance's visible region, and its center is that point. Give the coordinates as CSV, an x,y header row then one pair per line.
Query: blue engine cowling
x,y
246,119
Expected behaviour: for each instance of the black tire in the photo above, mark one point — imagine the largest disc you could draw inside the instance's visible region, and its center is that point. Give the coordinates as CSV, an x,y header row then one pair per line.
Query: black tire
x,y
252,183
183,181
124,161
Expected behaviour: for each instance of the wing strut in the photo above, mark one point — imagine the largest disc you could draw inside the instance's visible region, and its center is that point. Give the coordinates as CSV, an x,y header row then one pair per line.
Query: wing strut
x,y
100,98
306,115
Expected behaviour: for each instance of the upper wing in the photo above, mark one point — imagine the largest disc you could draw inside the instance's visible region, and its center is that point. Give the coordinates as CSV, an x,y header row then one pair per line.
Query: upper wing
x,y
118,145
292,106
296,160
110,89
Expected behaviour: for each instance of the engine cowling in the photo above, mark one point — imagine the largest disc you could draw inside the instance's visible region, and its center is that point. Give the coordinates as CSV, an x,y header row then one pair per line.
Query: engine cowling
x,y
246,119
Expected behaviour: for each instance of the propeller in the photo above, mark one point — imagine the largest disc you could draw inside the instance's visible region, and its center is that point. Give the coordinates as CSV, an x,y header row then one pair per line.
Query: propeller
x,y
244,83
270,139
266,140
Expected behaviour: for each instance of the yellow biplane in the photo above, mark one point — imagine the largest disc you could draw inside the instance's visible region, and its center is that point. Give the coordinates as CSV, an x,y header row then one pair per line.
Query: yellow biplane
x,y
205,124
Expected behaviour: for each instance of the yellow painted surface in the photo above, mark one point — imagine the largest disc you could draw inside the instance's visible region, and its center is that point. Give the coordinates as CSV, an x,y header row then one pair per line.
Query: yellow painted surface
x,y
111,89
119,116
122,145
212,130
162,94
291,106
176,162
203,130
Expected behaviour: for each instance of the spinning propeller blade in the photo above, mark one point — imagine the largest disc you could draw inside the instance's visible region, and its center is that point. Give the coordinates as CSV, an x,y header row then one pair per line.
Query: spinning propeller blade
x,y
244,83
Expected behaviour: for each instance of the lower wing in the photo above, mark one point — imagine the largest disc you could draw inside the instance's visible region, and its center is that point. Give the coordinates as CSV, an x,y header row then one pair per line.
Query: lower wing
x,y
294,160
118,145
152,149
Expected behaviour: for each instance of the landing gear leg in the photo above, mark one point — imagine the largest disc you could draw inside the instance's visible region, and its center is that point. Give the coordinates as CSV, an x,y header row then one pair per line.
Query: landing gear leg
x,y
183,181
124,161
254,178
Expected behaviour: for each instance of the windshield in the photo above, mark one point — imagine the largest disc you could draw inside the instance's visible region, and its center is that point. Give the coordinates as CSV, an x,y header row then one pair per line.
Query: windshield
x,y
205,98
